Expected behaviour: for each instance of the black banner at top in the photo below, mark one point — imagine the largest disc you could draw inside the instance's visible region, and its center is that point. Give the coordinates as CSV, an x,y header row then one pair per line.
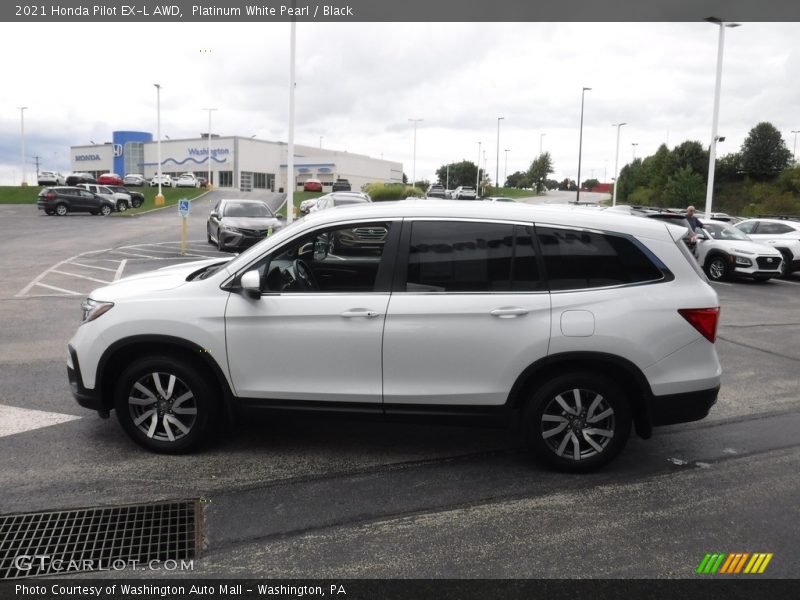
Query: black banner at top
x,y
197,11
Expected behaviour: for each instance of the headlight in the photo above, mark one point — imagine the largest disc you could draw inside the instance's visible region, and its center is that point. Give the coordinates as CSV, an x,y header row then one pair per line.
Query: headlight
x,y
744,262
93,309
225,227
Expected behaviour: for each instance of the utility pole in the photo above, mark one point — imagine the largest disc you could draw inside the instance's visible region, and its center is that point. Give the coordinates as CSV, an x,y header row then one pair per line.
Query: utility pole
x,y
37,162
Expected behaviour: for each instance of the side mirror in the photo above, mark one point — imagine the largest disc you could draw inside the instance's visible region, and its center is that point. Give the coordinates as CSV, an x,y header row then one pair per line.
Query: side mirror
x,y
251,284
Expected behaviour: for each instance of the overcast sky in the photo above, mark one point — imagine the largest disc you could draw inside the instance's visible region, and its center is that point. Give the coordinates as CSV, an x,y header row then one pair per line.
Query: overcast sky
x,y
358,84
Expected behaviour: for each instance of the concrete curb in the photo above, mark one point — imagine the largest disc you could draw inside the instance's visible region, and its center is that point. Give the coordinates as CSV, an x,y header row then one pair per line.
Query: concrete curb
x,y
131,216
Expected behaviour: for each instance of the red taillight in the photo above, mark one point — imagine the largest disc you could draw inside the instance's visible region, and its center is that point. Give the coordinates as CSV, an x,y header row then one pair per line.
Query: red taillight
x,y
51,195
703,319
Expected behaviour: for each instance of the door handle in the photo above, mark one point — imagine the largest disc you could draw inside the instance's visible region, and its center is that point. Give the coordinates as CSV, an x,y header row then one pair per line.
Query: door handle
x,y
367,314
509,313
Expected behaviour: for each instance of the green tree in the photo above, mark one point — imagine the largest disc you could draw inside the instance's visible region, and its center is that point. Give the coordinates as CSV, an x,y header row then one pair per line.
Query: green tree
x,y
514,179
590,184
567,185
764,153
728,168
683,188
539,170
691,154
461,173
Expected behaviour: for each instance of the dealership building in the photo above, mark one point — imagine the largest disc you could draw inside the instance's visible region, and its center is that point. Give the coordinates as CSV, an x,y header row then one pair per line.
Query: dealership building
x,y
242,163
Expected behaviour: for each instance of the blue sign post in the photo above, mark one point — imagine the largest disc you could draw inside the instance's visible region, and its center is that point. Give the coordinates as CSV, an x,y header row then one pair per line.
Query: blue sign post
x,y
183,210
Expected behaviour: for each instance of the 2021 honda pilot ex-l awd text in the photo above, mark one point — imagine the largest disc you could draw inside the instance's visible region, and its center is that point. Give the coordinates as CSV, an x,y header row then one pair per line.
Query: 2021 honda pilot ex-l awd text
x,y
580,324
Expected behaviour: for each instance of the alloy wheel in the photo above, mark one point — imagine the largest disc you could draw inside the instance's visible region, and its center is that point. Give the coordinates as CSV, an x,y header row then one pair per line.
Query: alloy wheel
x,y
162,406
577,424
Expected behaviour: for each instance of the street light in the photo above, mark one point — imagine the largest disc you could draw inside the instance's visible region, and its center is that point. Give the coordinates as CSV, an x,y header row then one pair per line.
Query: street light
x,y
159,200
616,165
794,150
580,147
208,159
291,182
320,142
633,148
712,151
414,164
505,170
22,110
497,158
541,135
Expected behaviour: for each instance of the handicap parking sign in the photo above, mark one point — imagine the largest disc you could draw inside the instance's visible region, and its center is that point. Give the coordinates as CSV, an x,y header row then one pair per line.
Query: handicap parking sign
x,y
183,207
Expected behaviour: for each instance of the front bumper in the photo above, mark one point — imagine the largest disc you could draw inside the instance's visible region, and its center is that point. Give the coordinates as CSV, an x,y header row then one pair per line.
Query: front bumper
x,y
239,239
87,398
682,408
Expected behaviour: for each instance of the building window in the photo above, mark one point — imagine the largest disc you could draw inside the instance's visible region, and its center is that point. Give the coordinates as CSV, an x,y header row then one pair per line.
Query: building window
x,y
134,157
226,179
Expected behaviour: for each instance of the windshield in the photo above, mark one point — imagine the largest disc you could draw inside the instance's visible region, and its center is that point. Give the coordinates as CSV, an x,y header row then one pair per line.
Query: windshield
x,y
247,209
725,232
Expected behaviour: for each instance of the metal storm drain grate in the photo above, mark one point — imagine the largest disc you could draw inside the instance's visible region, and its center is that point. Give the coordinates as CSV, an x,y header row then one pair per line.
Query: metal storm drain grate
x,y
155,536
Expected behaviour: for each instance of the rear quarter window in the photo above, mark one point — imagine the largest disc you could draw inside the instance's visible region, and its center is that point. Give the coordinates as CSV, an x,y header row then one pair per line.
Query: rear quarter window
x,y
578,259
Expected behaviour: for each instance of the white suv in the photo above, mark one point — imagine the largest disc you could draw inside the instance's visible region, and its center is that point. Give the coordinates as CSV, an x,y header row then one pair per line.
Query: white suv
x,y
781,234
724,251
579,323
121,200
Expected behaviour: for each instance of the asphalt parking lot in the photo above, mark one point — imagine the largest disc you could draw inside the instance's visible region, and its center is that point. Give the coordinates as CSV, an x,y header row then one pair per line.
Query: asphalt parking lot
x,y
317,498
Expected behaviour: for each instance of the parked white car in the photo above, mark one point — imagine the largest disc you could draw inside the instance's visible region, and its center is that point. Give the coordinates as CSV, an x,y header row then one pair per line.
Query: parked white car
x,y
724,251
51,178
576,322
781,234
166,181
121,200
464,192
134,179
187,180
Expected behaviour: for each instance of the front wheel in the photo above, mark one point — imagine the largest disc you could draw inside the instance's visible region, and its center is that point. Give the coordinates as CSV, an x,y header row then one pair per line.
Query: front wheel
x,y
577,421
716,268
165,405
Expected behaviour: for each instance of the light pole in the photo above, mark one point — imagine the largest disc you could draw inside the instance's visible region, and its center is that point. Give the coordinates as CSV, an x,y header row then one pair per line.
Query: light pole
x,y
633,149
320,142
478,164
497,157
541,135
447,178
290,179
159,199
505,170
208,159
794,150
712,151
580,147
616,165
414,163
22,110
484,166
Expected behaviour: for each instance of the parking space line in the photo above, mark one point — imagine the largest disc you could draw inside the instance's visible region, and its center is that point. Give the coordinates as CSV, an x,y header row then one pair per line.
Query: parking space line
x,y
140,249
49,270
784,281
57,289
120,268
18,420
125,252
81,276
77,264
719,283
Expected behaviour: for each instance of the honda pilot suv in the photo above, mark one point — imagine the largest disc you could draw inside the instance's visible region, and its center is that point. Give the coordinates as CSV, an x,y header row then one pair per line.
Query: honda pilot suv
x,y
577,324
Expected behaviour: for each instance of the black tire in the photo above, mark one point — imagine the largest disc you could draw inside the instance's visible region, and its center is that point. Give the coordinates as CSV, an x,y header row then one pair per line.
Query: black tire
x,y
761,279
136,203
61,209
544,413
716,267
170,405
208,237
105,210
786,265
122,206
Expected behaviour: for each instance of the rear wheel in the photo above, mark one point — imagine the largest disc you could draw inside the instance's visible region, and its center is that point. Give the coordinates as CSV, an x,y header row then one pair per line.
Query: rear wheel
x,y
165,404
716,268
61,209
577,421
105,210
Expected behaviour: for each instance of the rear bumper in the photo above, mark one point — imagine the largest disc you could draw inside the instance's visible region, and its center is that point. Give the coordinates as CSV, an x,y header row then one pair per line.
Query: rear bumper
x,y
682,408
87,398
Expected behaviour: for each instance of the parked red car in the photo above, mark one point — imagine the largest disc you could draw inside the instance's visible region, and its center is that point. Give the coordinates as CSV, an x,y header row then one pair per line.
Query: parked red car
x,y
312,185
109,179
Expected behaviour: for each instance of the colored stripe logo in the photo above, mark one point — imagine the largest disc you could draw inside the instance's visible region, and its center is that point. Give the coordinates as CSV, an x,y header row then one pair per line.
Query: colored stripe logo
x,y
734,564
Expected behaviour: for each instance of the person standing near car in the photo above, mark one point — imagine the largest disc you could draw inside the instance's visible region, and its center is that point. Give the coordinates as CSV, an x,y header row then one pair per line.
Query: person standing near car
x,y
694,223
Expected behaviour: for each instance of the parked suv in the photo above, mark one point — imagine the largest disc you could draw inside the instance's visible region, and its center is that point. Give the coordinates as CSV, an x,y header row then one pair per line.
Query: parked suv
x,y
574,322
341,185
120,200
62,200
724,251
464,192
436,190
137,198
781,234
